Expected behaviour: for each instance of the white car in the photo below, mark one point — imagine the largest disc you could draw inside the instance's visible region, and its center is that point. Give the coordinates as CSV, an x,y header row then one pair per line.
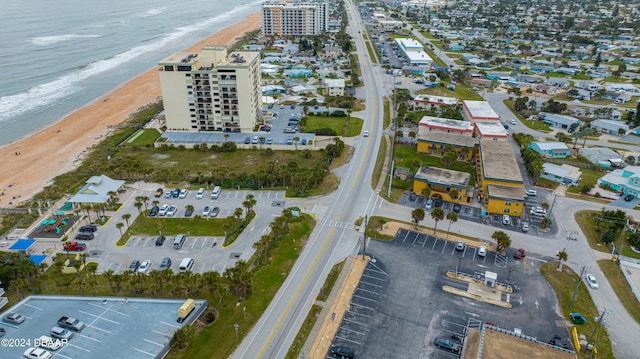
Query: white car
x,y
531,192
538,211
591,281
167,194
172,211
37,353
163,210
429,204
200,193
144,266
183,193
482,251
525,226
506,220
205,211
513,121
365,134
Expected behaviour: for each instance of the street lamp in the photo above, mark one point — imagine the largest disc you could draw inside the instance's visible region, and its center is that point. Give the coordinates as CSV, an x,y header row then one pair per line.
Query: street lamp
x,y
458,267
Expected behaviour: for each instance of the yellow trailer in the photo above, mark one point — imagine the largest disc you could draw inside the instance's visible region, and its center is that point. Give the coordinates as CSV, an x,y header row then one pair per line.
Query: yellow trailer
x,y
185,309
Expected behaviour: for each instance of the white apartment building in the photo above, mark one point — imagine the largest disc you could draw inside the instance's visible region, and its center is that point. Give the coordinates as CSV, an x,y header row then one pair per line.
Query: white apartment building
x,y
295,18
211,91
334,87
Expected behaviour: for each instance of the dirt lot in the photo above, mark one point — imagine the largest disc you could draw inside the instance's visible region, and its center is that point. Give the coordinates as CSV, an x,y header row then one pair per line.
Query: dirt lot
x,y
502,346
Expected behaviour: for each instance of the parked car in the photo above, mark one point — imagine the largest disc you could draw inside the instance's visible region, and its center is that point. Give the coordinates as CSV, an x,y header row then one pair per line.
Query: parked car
x,y
163,210
247,140
154,211
49,343
525,226
188,212
159,192
513,121
89,228
591,281
429,204
175,193
629,197
172,211
61,333
85,236
13,318
519,254
37,353
506,220
183,193
342,352
160,240
531,192
215,212
74,247
460,246
205,211
482,251
71,323
167,194
166,263
134,265
457,207
269,141
144,266
538,211
438,202
447,345
200,193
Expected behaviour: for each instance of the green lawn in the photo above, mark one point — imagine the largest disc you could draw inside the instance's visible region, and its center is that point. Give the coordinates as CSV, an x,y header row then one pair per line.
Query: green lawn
x,y
406,156
462,92
564,284
372,55
589,177
337,124
622,288
143,137
587,225
151,226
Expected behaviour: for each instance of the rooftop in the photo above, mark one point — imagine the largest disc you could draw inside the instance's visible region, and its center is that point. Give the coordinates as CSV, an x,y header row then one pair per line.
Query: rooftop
x,y
499,161
446,123
480,109
491,129
436,99
552,146
448,138
506,192
443,176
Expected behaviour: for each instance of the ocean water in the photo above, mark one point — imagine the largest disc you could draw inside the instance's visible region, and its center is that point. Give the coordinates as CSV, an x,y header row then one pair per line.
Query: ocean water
x,y
61,55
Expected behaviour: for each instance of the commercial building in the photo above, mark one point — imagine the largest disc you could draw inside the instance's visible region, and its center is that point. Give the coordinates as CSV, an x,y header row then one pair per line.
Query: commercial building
x,y
431,102
211,91
442,181
438,124
413,51
437,143
295,18
490,130
500,179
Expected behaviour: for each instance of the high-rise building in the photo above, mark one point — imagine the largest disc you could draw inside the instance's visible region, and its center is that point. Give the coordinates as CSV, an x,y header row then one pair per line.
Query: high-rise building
x,y
211,91
295,18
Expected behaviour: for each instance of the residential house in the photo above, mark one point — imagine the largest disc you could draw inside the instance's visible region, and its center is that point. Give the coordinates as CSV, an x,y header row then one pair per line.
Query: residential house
x,y
560,121
97,189
623,180
565,174
551,149
334,87
610,127
602,156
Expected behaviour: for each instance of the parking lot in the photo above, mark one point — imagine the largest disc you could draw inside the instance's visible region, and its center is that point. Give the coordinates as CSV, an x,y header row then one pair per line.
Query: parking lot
x,y
115,328
400,298
207,251
476,214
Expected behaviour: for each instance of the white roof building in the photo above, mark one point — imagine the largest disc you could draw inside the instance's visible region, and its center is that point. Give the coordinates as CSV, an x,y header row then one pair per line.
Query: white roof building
x,y
413,51
429,123
479,111
491,129
97,189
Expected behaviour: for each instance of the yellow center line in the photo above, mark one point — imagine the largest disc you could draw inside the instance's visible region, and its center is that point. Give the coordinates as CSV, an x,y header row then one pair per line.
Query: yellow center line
x,y
306,277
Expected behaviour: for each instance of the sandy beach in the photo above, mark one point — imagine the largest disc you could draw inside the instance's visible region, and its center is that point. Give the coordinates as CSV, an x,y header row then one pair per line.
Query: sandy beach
x,y
32,163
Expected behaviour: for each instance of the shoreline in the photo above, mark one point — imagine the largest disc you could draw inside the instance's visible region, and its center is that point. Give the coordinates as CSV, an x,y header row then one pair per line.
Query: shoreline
x,y
32,162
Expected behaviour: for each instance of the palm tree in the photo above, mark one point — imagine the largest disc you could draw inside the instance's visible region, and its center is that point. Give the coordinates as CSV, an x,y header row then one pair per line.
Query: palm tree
x,y
452,217
226,137
295,141
138,205
119,225
145,200
453,193
417,215
155,202
126,218
189,207
425,192
109,275
437,214
502,239
562,257
249,202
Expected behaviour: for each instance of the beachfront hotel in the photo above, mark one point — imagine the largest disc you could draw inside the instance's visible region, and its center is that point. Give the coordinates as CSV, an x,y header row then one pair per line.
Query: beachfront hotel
x,y
212,90
295,18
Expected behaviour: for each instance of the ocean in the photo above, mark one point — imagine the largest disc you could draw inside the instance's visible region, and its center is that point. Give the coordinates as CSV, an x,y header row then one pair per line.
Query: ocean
x,y
61,55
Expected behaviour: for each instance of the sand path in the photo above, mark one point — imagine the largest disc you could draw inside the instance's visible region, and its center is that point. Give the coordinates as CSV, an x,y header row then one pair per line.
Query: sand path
x,y
55,150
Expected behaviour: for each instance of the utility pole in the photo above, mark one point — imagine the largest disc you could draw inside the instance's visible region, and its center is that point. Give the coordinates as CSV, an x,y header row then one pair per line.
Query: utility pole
x,y
393,141
364,242
577,286
598,322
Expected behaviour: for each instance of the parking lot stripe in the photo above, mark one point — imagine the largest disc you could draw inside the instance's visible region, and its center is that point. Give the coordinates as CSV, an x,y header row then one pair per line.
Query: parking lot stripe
x,y
414,240
98,317
368,291
62,356
109,309
97,328
364,315
351,330
142,351
354,322
77,347
365,298
154,343
86,337
405,237
434,244
375,285
348,340
361,306
169,324
166,335
368,276
32,306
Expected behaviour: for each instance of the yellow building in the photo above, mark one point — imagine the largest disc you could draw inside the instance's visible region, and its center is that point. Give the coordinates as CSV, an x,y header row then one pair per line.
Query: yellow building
x,y
442,181
434,143
499,177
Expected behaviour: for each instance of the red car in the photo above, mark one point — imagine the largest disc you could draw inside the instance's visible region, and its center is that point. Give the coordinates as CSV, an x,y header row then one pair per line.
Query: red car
x,y
519,254
74,246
